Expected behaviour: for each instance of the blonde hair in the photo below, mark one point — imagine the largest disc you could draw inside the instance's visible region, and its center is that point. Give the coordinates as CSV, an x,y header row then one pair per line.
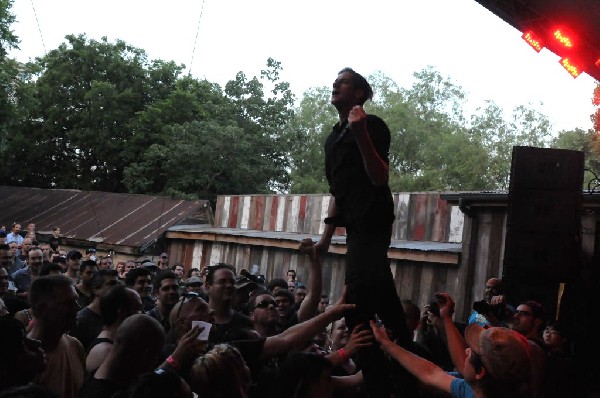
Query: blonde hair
x,y
221,372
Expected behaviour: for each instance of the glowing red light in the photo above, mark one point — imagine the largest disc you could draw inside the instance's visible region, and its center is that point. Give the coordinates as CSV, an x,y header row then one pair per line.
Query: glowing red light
x,y
571,67
563,38
598,62
533,40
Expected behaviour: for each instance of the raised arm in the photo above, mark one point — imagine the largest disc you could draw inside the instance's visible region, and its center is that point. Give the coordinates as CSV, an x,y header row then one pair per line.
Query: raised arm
x,y
359,338
322,245
427,372
456,342
297,335
309,305
376,168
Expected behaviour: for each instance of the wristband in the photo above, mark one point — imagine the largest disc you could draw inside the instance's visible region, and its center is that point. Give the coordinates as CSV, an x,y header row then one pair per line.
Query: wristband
x,y
173,362
343,354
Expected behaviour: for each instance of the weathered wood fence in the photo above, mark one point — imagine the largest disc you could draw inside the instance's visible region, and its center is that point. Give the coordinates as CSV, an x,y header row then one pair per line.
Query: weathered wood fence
x,y
262,233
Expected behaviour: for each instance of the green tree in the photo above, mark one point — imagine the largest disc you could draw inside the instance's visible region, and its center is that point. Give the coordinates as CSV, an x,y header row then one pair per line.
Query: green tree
x,y
205,158
87,93
306,134
433,147
190,100
428,131
8,39
585,141
264,118
203,142
9,81
527,127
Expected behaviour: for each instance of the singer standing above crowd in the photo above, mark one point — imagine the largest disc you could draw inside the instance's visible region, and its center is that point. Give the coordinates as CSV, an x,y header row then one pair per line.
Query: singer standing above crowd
x,y
356,167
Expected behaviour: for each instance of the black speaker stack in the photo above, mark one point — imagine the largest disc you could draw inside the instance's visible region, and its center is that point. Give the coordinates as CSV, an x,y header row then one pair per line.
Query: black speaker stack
x,y
543,236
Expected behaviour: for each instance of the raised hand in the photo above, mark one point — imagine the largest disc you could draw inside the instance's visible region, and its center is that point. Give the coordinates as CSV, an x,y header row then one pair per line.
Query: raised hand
x,y
358,339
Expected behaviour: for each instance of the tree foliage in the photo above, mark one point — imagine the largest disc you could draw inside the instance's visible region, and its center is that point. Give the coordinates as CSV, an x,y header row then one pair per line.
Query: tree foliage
x,y
97,115
85,96
585,141
433,146
9,70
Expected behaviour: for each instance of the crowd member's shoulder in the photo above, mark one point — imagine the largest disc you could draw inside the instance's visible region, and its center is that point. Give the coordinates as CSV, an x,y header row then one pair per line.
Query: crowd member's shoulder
x,y
250,350
461,388
241,319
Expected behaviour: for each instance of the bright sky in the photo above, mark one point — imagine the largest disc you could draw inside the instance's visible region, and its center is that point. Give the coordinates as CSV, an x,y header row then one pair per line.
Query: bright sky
x,y
313,39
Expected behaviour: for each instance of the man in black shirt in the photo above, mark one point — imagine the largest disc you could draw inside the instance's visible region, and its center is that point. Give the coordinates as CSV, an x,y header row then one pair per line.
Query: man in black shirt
x,y
356,167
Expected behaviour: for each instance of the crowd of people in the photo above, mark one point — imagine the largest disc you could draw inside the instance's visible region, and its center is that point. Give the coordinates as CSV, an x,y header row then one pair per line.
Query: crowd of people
x,y
77,325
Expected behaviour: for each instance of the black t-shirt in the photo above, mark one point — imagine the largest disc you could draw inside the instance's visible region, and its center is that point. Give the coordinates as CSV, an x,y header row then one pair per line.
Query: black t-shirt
x,y
290,320
264,374
54,242
82,299
148,304
237,329
98,388
359,203
89,326
14,304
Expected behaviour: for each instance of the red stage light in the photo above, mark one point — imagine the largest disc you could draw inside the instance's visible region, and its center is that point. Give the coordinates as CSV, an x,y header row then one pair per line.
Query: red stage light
x,y
563,39
598,62
571,67
533,40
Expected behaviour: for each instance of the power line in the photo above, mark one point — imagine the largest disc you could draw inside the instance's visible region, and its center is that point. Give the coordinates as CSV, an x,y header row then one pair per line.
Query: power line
x,y
39,28
196,39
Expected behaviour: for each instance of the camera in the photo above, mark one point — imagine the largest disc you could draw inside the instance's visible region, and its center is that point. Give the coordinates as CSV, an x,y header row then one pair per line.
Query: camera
x,y
484,308
434,308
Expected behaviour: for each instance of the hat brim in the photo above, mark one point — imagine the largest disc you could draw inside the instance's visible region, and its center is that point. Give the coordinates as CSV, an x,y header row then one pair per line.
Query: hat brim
x,y
473,337
244,284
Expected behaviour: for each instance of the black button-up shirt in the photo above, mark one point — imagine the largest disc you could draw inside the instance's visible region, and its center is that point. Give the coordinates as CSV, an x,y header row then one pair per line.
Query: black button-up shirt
x,y
359,203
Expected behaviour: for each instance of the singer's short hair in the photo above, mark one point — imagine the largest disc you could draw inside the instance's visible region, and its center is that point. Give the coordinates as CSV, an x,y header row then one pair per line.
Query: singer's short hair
x,y
360,83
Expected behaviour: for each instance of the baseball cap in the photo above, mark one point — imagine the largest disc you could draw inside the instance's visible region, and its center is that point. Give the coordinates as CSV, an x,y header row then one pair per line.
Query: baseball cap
x,y
148,264
242,281
75,254
194,280
505,354
245,278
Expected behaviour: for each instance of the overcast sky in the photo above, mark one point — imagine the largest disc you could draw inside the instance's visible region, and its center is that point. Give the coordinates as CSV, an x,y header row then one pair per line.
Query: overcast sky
x,y
313,39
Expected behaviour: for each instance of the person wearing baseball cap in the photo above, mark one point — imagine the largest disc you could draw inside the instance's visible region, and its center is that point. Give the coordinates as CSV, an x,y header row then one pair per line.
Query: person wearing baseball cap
x,y
494,362
73,264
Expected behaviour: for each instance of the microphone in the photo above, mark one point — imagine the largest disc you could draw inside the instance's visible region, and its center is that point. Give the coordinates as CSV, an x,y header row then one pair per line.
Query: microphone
x,y
344,131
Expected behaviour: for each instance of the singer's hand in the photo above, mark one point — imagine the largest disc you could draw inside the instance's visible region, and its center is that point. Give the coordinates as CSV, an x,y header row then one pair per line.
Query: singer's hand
x,y
357,119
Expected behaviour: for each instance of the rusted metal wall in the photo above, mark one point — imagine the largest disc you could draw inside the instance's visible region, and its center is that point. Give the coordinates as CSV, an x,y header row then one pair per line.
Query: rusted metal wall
x,y
414,280
419,216
109,221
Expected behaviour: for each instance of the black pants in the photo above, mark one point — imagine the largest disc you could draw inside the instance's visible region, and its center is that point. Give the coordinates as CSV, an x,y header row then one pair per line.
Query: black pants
x,y
371,287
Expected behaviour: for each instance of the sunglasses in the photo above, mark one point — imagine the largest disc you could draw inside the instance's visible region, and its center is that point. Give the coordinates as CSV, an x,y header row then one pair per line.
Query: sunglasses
x,y
266,303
